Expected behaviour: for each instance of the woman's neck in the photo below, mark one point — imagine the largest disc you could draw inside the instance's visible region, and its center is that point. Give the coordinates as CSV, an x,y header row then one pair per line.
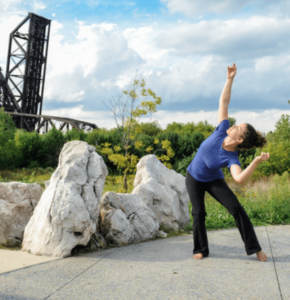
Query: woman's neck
x,y
230,146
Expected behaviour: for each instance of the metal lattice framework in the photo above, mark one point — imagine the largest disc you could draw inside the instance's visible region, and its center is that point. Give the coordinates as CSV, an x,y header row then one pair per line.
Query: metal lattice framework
x,y
62,124
6,96
26,66
21,92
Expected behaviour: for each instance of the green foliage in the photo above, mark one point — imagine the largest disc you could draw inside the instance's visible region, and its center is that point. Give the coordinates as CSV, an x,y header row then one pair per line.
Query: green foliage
x,y
8,157
74,134
283,128
7,128
184,145
184,163
150,128
97,137
232,121
53,142
33,164
127,163
279,160
166,146
190,128
31,147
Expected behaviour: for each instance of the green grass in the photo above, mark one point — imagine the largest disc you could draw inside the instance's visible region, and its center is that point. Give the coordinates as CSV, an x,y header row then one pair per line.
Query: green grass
x,y
37,175
114,184
14,248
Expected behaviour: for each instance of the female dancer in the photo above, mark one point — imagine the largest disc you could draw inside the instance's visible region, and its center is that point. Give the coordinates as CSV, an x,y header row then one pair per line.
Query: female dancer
x,y
204,174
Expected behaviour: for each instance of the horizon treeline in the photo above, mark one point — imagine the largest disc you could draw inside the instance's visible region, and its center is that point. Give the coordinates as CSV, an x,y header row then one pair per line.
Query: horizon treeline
x,y
22,149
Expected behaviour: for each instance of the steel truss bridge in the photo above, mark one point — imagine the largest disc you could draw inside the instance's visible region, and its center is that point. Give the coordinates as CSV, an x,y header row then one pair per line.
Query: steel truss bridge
x,y
22,90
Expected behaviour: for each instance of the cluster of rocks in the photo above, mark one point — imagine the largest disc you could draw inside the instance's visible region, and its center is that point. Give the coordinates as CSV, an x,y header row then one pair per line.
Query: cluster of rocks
x,y
72,211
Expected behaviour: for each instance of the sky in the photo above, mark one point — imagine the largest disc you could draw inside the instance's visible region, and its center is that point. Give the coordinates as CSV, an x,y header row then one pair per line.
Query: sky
x,y
180,47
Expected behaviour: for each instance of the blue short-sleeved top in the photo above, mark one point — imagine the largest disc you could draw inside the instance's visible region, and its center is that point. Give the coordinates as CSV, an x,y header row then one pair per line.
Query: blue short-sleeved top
x,y
211,157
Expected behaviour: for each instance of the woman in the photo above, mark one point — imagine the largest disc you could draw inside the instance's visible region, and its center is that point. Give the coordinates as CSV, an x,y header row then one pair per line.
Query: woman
x,y
204,174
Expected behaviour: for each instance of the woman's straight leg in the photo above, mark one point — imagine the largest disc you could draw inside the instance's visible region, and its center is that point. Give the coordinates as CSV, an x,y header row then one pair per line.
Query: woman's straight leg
x,y
196,191
224,195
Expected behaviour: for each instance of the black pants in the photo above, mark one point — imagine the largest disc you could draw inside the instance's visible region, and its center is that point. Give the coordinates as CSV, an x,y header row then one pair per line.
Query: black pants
x,y
219,190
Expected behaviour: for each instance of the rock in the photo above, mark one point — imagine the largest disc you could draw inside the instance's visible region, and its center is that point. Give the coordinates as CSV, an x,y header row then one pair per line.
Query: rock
x,y
96,243
161,233
164,191
47,183
17,202
126,219
67,213
99,241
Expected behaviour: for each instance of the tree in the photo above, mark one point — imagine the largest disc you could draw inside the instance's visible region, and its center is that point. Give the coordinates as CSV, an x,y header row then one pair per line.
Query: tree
x,y
32,148
282,131
150,128
127,110
7,127
9,154
53,142
232,121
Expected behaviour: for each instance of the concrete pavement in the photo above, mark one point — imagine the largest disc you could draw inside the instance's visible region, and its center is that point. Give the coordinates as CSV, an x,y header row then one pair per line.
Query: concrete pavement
x,y
14,260
163,269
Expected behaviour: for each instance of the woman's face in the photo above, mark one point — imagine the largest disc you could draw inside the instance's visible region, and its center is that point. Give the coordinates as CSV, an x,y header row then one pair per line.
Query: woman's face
x,y
236,131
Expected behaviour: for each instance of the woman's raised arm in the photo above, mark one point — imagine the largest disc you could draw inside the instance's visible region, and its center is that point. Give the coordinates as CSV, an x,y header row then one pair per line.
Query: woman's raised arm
x,y
226,93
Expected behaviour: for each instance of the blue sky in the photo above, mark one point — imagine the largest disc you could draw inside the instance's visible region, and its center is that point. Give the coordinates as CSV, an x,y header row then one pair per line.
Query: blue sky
x,y
181,47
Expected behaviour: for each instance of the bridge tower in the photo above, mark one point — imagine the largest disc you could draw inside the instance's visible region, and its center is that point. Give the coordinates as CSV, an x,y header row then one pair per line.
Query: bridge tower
x,y
25,70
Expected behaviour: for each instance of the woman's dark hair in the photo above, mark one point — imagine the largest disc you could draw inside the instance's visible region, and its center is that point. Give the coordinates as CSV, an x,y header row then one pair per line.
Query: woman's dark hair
x,y
252,139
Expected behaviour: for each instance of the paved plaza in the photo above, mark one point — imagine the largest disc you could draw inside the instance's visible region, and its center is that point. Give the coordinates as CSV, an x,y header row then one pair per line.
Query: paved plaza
x,y
159,269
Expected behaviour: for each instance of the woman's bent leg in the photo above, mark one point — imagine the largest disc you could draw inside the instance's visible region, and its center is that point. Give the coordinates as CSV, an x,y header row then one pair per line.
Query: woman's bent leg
x,y
223,194
196,193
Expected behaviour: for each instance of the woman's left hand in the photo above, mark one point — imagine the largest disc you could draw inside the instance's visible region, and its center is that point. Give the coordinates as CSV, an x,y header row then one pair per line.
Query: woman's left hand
x,y
232,71
263,157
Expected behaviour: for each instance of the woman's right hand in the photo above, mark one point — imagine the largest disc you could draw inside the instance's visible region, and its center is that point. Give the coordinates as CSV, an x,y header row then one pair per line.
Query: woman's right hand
x,y
232,71
263,157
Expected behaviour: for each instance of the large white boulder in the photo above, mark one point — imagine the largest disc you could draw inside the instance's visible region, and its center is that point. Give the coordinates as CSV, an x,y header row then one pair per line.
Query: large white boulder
x,y
67,213
163,190
126,219
17,202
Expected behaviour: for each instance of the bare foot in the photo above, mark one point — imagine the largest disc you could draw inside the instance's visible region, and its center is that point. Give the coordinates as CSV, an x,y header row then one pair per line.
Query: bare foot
x,y
198,256
261,256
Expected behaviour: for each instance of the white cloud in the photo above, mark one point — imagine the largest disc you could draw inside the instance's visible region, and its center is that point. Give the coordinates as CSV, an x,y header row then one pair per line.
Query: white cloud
x,y
7,7
194,8
37,6
97,58
237,38
72,96
103,59
142,39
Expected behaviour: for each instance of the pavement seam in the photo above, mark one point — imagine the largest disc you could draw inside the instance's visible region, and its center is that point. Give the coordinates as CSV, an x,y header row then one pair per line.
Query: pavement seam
x,y
30,266
274,264
78,275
